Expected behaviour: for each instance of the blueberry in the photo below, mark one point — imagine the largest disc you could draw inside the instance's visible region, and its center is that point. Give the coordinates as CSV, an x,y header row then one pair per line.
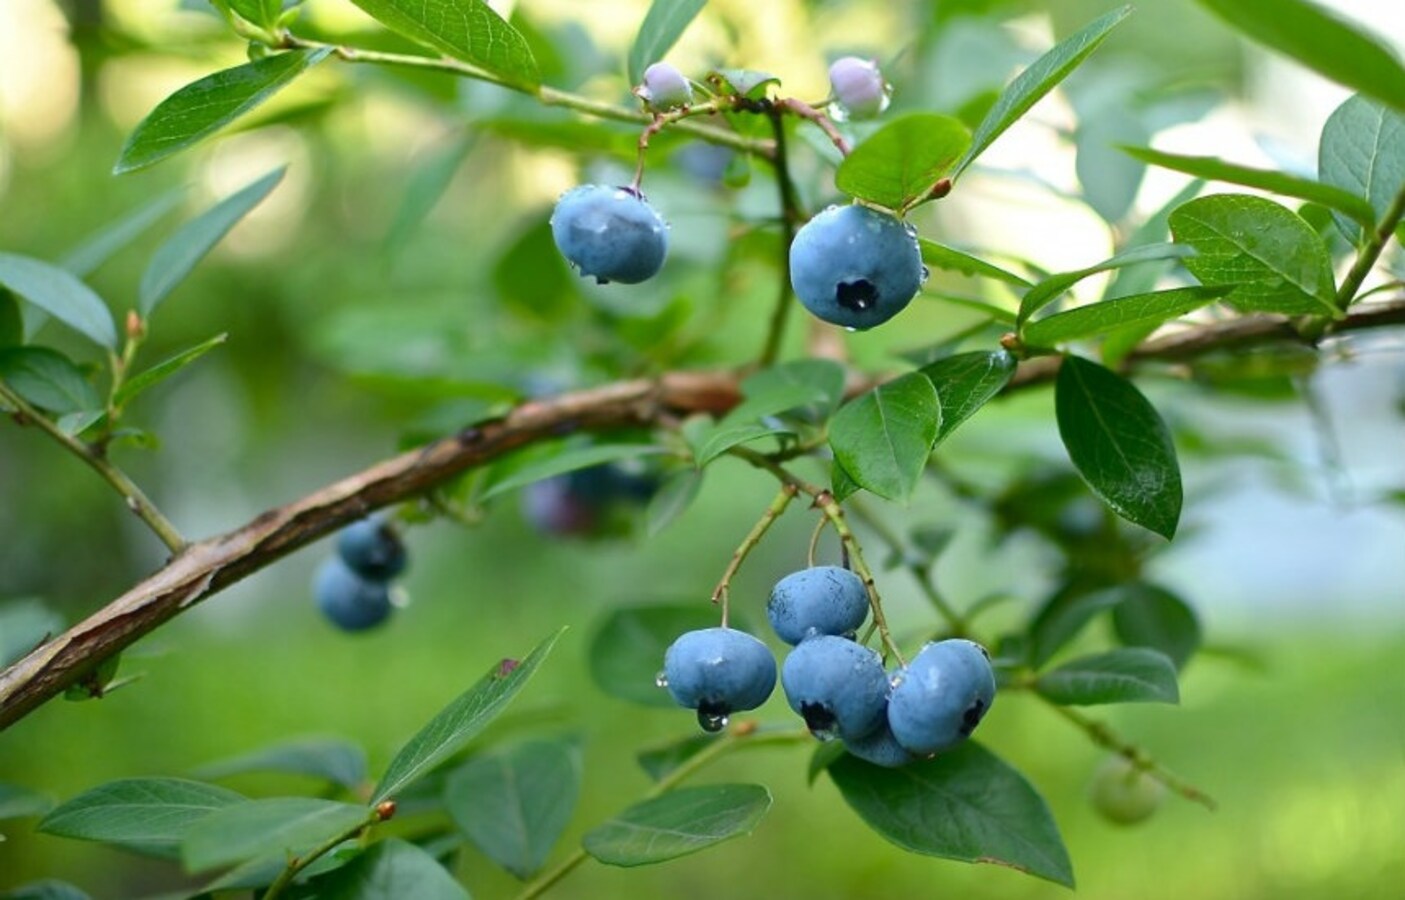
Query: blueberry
x,y
855,266
818,600
838,686
587,502
372,549
665,87
719,671
351,602
880,748
609,233
941,696
858,86
1123,794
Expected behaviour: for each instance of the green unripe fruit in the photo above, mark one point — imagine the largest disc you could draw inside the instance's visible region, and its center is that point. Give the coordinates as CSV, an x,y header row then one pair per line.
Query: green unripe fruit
x,y
1124,794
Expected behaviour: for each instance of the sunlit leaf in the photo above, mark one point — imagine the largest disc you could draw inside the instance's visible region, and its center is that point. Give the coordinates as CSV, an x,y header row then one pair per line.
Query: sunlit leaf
x,y
468,30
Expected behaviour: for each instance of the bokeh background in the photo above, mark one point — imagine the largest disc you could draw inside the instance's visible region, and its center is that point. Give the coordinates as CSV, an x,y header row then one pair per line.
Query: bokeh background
x,y
374,298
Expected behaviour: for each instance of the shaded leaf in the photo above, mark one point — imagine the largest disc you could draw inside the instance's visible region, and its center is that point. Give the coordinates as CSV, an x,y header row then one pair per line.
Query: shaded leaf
x,y
46,889
174,259
883,438
21,803
568,460
332,759
158,373
147,815
678,823
391,870
259,828
515,802
203,107
458,722
11,323
672,499
1363,151
1119,445
1126,675
898,164
1048,290
967,381
626,653
468,30
822,379
48,379
1062,618
966,805
663,25
658,761
100,247
1151,616
61,295
949,259
1125,312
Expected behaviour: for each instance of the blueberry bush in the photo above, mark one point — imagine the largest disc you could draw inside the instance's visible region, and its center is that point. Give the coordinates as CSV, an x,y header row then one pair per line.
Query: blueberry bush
x,y
834,338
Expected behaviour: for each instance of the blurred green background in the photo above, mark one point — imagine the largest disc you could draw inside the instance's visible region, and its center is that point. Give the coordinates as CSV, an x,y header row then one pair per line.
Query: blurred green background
x,y
376,298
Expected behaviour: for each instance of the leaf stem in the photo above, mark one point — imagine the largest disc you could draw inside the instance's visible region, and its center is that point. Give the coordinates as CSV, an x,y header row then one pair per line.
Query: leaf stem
x,y
1371,251
791,216
137,501
297,864
722,593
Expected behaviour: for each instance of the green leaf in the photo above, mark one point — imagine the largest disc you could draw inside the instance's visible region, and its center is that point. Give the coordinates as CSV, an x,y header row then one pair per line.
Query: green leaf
x,y
1150,616
514,803
841,483
822,379
332,759
1126,675
1214,169
531,277
1049,290
1363,151
468,30
663,26
47,379
98,248
1272,258
658,761
568,460
203,107
1119,445
672,499
678,823
11,323
61,295
898,164
743,83
391,870
425,187
263,13
948,259
966,382
1061,619
458,722
45,889
174,259
883,438
967,805
626,653
1322,41
258,828
724,436
158,373
1042,75
21,803
1098,318
147,815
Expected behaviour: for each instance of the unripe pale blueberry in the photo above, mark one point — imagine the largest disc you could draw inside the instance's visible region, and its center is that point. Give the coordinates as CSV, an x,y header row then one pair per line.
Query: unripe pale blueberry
x,y
1123,794
837,685
665,87
818,600
372,549
718,671
942,695
855,266
858,86
351,602
609,233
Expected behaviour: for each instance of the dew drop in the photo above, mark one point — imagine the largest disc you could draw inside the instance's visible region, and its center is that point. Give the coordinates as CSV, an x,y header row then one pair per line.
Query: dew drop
x,y
895,679
838,112
926,273
910,229
661,679
711,721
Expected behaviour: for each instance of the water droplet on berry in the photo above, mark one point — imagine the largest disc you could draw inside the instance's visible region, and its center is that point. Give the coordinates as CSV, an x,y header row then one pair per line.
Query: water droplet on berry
x,y
895,679
711,721
926,273
661,679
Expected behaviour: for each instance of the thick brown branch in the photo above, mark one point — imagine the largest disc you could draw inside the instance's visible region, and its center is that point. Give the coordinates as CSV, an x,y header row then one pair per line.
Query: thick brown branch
x,y
206,567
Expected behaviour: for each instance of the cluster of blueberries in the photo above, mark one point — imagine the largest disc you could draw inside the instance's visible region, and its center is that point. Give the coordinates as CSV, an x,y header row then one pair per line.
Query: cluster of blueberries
x,y
852,265
353,587
836,684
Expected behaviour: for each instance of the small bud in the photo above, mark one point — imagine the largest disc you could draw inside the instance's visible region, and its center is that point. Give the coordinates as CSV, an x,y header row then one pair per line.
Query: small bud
x,y
385,810
858,87
136,328
506,667
940,189
744,729
664,88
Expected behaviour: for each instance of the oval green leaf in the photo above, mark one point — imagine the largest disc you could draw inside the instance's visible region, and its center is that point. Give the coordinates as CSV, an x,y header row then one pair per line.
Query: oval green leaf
x,y
1048,290
331,759
1149,310
1119,445
1150,616
467,30
203,107
1363,151
1125,675
146,815
966,805
677,824
882,439
48,379
897,165
61,295
663,25
1273,259
949,259
391,870
966,382
258,828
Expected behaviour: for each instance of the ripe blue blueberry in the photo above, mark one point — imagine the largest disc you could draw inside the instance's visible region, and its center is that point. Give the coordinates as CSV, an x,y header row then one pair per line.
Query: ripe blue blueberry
x,y
880,748
587,502
372,549
818,600
837,685
858,86
855,266
718,671
664,88
351,602
609,233
942,695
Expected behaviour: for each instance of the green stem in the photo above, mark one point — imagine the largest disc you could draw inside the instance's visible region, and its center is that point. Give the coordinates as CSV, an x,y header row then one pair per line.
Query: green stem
x,y
137,501
1105,737
1371,251
723,590
743,734
835,513
547,96
791,215
285,878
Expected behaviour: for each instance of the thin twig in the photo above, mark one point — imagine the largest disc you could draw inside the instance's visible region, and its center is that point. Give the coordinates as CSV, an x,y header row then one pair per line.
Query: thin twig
x,y
297,864
1366,257
722,593
835,513
791,216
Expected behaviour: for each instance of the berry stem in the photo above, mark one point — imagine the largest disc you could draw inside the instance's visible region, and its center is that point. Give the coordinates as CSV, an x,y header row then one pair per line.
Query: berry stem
x,y
722,593
835,513
806,111
815,541
660,122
